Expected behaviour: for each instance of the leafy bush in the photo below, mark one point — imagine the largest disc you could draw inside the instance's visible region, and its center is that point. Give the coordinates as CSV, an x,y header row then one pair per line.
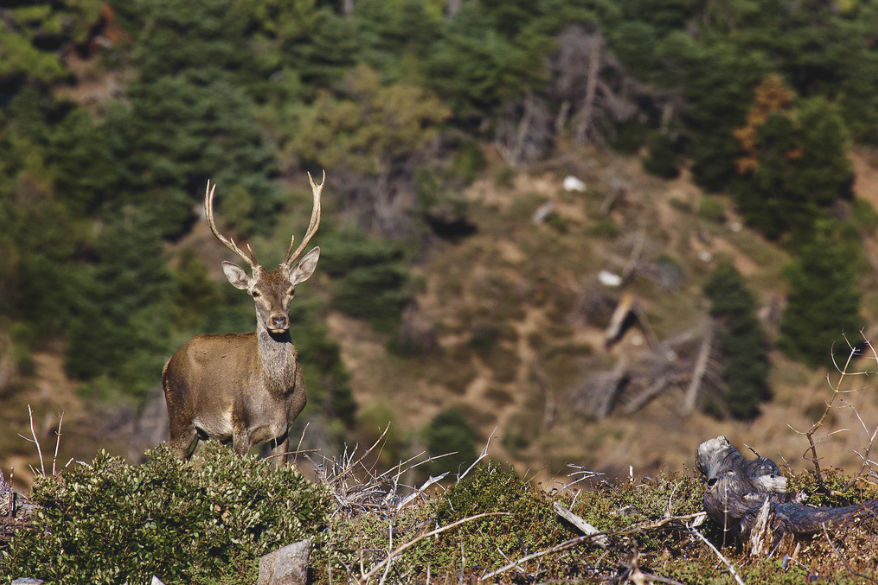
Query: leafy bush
x,y
604,227
865,216
527,524
449,432
207,520
662,159
712,209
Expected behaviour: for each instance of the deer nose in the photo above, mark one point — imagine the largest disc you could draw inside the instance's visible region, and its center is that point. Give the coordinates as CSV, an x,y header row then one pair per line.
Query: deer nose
x,y
279,322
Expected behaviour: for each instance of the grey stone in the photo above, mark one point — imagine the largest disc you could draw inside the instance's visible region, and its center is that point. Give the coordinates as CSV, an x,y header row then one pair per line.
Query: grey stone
x,y
287,565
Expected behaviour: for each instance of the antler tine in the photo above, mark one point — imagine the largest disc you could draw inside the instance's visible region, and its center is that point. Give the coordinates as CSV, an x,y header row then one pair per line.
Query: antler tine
x,y
229,243
316,190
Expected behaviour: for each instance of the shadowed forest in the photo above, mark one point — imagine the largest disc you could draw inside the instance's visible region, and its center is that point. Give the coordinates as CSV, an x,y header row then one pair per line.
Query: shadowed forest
x,y
716,254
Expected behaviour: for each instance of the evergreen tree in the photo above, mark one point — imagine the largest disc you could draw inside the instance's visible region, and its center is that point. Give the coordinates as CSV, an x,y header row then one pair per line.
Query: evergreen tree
x,y
178,134
823,305
742,342
794,165
119,328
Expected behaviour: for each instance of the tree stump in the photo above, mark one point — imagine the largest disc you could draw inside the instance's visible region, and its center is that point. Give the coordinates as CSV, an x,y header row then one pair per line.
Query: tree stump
x,y
748,498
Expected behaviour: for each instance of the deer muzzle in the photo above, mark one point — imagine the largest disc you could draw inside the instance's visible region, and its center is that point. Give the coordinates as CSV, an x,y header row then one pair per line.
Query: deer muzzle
x,y
278,324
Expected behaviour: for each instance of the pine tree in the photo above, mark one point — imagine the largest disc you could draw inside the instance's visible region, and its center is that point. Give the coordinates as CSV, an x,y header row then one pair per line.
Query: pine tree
x,y
794,162
742,342
823,305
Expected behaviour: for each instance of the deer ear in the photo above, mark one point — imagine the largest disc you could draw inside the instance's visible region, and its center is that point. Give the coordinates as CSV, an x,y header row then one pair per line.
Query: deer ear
x,y
236,275
304,268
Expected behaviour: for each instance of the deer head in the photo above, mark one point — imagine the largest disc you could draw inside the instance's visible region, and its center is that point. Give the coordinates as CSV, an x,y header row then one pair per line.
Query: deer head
x,y
272,290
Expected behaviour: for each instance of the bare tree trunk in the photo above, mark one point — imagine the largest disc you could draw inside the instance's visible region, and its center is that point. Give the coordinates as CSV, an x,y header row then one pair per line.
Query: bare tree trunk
x,y
451,7
348,7
584,124
511,139
700,368
561,118
656,388
546,386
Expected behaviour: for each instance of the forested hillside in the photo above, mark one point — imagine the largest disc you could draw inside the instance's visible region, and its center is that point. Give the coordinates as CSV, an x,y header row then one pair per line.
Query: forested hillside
x,y
725,154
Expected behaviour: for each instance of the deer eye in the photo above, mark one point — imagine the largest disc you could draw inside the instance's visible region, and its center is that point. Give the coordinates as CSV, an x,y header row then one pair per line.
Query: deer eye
x,y
256,294
292,292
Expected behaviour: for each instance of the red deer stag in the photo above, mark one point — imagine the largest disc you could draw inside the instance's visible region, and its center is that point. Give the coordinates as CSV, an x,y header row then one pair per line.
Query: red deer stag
x,y
245,387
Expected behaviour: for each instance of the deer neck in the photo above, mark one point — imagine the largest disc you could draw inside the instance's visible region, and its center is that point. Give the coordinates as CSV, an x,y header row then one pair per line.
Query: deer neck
x,y
277,359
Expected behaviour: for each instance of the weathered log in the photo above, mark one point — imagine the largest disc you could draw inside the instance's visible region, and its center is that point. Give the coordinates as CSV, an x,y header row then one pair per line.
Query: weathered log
x,y
737,489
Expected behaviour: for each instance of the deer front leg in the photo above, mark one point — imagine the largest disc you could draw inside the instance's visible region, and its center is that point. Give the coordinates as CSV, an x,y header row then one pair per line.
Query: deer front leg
x,y
279,450
241,442
182,440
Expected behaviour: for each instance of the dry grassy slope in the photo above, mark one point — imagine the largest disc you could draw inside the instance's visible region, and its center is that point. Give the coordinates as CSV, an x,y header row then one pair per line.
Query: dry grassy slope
x,y
519,288
514,290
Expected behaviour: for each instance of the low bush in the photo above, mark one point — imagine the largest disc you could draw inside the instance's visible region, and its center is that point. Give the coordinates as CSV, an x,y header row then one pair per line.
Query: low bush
x,y
203,521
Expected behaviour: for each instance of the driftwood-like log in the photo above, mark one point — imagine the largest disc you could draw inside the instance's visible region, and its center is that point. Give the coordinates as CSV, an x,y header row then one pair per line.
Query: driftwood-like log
x,y
738,488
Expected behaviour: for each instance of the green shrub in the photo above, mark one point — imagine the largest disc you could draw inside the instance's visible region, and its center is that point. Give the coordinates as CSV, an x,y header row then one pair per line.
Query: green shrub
x,y
864,214
712,209
206,520
662,159
468,161
449,432
834,489
527,524
604,227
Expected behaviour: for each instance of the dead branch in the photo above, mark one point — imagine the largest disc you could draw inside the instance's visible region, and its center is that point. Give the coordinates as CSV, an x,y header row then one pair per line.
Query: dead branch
x,y
600,539
584,117
837,392
656,388
700,368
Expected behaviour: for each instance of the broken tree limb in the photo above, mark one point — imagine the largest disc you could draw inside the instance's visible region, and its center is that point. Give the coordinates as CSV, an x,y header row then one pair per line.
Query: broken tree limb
x,y
739,488
654,389
700,368
581,525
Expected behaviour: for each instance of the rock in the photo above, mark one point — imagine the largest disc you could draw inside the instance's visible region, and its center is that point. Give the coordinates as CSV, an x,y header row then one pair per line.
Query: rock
x,y
27,581
571,183
286,566
607,278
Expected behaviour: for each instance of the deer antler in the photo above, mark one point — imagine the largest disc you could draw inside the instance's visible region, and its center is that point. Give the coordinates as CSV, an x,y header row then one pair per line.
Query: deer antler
x,y
229,243
312,226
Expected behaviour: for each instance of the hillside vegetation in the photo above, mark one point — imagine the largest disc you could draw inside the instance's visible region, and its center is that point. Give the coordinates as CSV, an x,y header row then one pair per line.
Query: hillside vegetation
x,y
717,254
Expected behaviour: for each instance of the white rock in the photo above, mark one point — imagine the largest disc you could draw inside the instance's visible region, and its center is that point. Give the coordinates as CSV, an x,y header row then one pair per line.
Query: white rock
x,y
705,256
607,278
571,183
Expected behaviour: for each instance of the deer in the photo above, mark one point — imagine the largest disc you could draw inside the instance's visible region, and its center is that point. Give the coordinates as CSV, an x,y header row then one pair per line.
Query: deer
x,y
246,388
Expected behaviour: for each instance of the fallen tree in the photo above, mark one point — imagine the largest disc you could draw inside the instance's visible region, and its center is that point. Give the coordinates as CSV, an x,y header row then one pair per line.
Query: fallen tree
x,y
748,497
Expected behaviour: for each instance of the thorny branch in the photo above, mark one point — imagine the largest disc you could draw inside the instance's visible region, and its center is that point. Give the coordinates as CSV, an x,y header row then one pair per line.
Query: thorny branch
x,y
837,392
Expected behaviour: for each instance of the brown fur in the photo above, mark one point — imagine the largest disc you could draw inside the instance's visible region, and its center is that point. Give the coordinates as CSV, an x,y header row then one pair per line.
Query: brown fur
x,y
257,408
245,388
